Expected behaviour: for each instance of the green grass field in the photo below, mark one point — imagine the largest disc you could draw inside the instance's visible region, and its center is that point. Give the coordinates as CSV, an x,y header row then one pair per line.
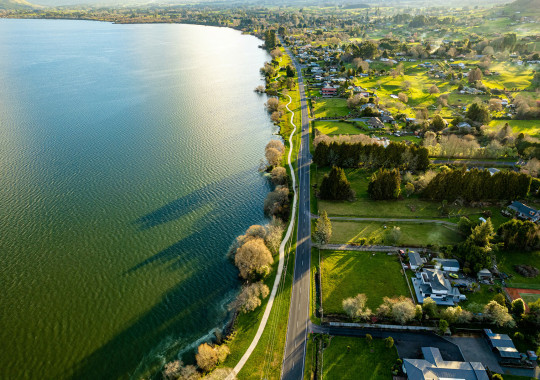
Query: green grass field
x,y
412,234
353,358
337,128
348,273
330,107
506,261
531,127
481,297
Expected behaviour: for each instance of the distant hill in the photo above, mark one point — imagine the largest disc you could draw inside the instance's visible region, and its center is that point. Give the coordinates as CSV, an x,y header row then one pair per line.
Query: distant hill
x,y
524,6
16,4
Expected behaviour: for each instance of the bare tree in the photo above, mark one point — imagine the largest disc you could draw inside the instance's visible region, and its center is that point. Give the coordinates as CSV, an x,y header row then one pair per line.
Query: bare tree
x,y
356,307
272,104
207,358
273,156
253,258
532,167
250,297
279,175
495,104
434,90
276,144
276,116
403,97
276,53
274,234
171,371
277,201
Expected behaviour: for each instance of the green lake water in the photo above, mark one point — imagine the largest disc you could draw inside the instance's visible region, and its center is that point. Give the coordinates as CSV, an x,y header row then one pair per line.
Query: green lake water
x,y
128,164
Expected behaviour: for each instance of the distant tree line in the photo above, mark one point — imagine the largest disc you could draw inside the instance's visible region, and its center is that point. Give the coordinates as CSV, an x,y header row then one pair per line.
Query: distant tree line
x,y
351,155
477,185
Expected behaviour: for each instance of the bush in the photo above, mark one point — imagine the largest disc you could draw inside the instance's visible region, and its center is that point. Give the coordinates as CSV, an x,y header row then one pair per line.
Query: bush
x,y
389,342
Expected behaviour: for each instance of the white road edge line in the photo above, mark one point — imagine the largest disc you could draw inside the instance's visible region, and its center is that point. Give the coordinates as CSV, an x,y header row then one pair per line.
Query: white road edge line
x,y
270,303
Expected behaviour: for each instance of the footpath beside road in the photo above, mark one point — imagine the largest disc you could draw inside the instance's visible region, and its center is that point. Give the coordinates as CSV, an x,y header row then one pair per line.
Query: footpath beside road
x,y
279,273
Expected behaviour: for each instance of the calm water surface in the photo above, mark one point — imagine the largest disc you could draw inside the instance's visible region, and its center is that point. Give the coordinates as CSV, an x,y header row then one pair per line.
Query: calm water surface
x,y
128,164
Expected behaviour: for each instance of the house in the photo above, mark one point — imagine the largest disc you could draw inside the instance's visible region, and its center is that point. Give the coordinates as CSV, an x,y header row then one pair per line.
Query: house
x,y
484,275
415,261
464,125
329,91
524,212
448,265
503,346
375,122
434,367
433,283
387,119
493,170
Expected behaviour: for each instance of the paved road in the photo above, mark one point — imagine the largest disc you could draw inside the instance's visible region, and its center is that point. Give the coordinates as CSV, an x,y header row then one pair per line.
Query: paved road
x,y
295,346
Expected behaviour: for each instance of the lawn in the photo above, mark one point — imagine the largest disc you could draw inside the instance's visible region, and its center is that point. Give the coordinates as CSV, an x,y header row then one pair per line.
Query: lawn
x,y
353,358
481,297
531,127
348,273
506,261
337,128
412,234
330,107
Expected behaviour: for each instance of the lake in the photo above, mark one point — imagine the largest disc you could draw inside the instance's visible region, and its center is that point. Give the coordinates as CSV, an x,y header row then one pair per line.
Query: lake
x,y
128,164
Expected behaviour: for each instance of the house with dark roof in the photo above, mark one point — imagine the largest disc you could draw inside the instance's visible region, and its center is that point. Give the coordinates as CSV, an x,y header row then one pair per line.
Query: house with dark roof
x,y
433,283
525,212
375,122
415,261
447,265
434,367
503,346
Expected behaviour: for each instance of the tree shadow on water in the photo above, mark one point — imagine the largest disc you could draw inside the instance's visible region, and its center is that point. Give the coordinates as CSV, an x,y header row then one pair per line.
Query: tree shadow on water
x,y
217,191
180,312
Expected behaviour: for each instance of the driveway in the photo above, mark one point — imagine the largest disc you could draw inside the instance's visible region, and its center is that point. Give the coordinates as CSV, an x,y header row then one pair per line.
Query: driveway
x,y
408,344
476,349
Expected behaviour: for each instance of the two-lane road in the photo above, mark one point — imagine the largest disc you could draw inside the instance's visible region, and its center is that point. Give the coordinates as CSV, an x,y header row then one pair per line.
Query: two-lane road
x,y
295,346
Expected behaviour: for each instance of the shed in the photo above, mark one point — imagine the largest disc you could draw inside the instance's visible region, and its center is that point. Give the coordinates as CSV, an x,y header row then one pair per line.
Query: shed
x,y
484,274
415,261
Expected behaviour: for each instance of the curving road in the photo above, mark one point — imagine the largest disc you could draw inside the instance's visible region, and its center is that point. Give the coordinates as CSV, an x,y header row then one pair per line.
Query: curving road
x,y
295,346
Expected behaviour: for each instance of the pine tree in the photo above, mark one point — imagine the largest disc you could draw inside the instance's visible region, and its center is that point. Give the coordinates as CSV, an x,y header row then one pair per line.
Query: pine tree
x,y
335,186
323,229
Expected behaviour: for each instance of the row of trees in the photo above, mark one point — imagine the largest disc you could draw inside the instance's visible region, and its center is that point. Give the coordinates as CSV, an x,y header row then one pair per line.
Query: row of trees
x,y
349,155
207,358
402,310
477,185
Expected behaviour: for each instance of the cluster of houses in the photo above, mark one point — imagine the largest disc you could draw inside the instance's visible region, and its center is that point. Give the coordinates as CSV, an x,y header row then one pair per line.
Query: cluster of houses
x,y
432,366
434,280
